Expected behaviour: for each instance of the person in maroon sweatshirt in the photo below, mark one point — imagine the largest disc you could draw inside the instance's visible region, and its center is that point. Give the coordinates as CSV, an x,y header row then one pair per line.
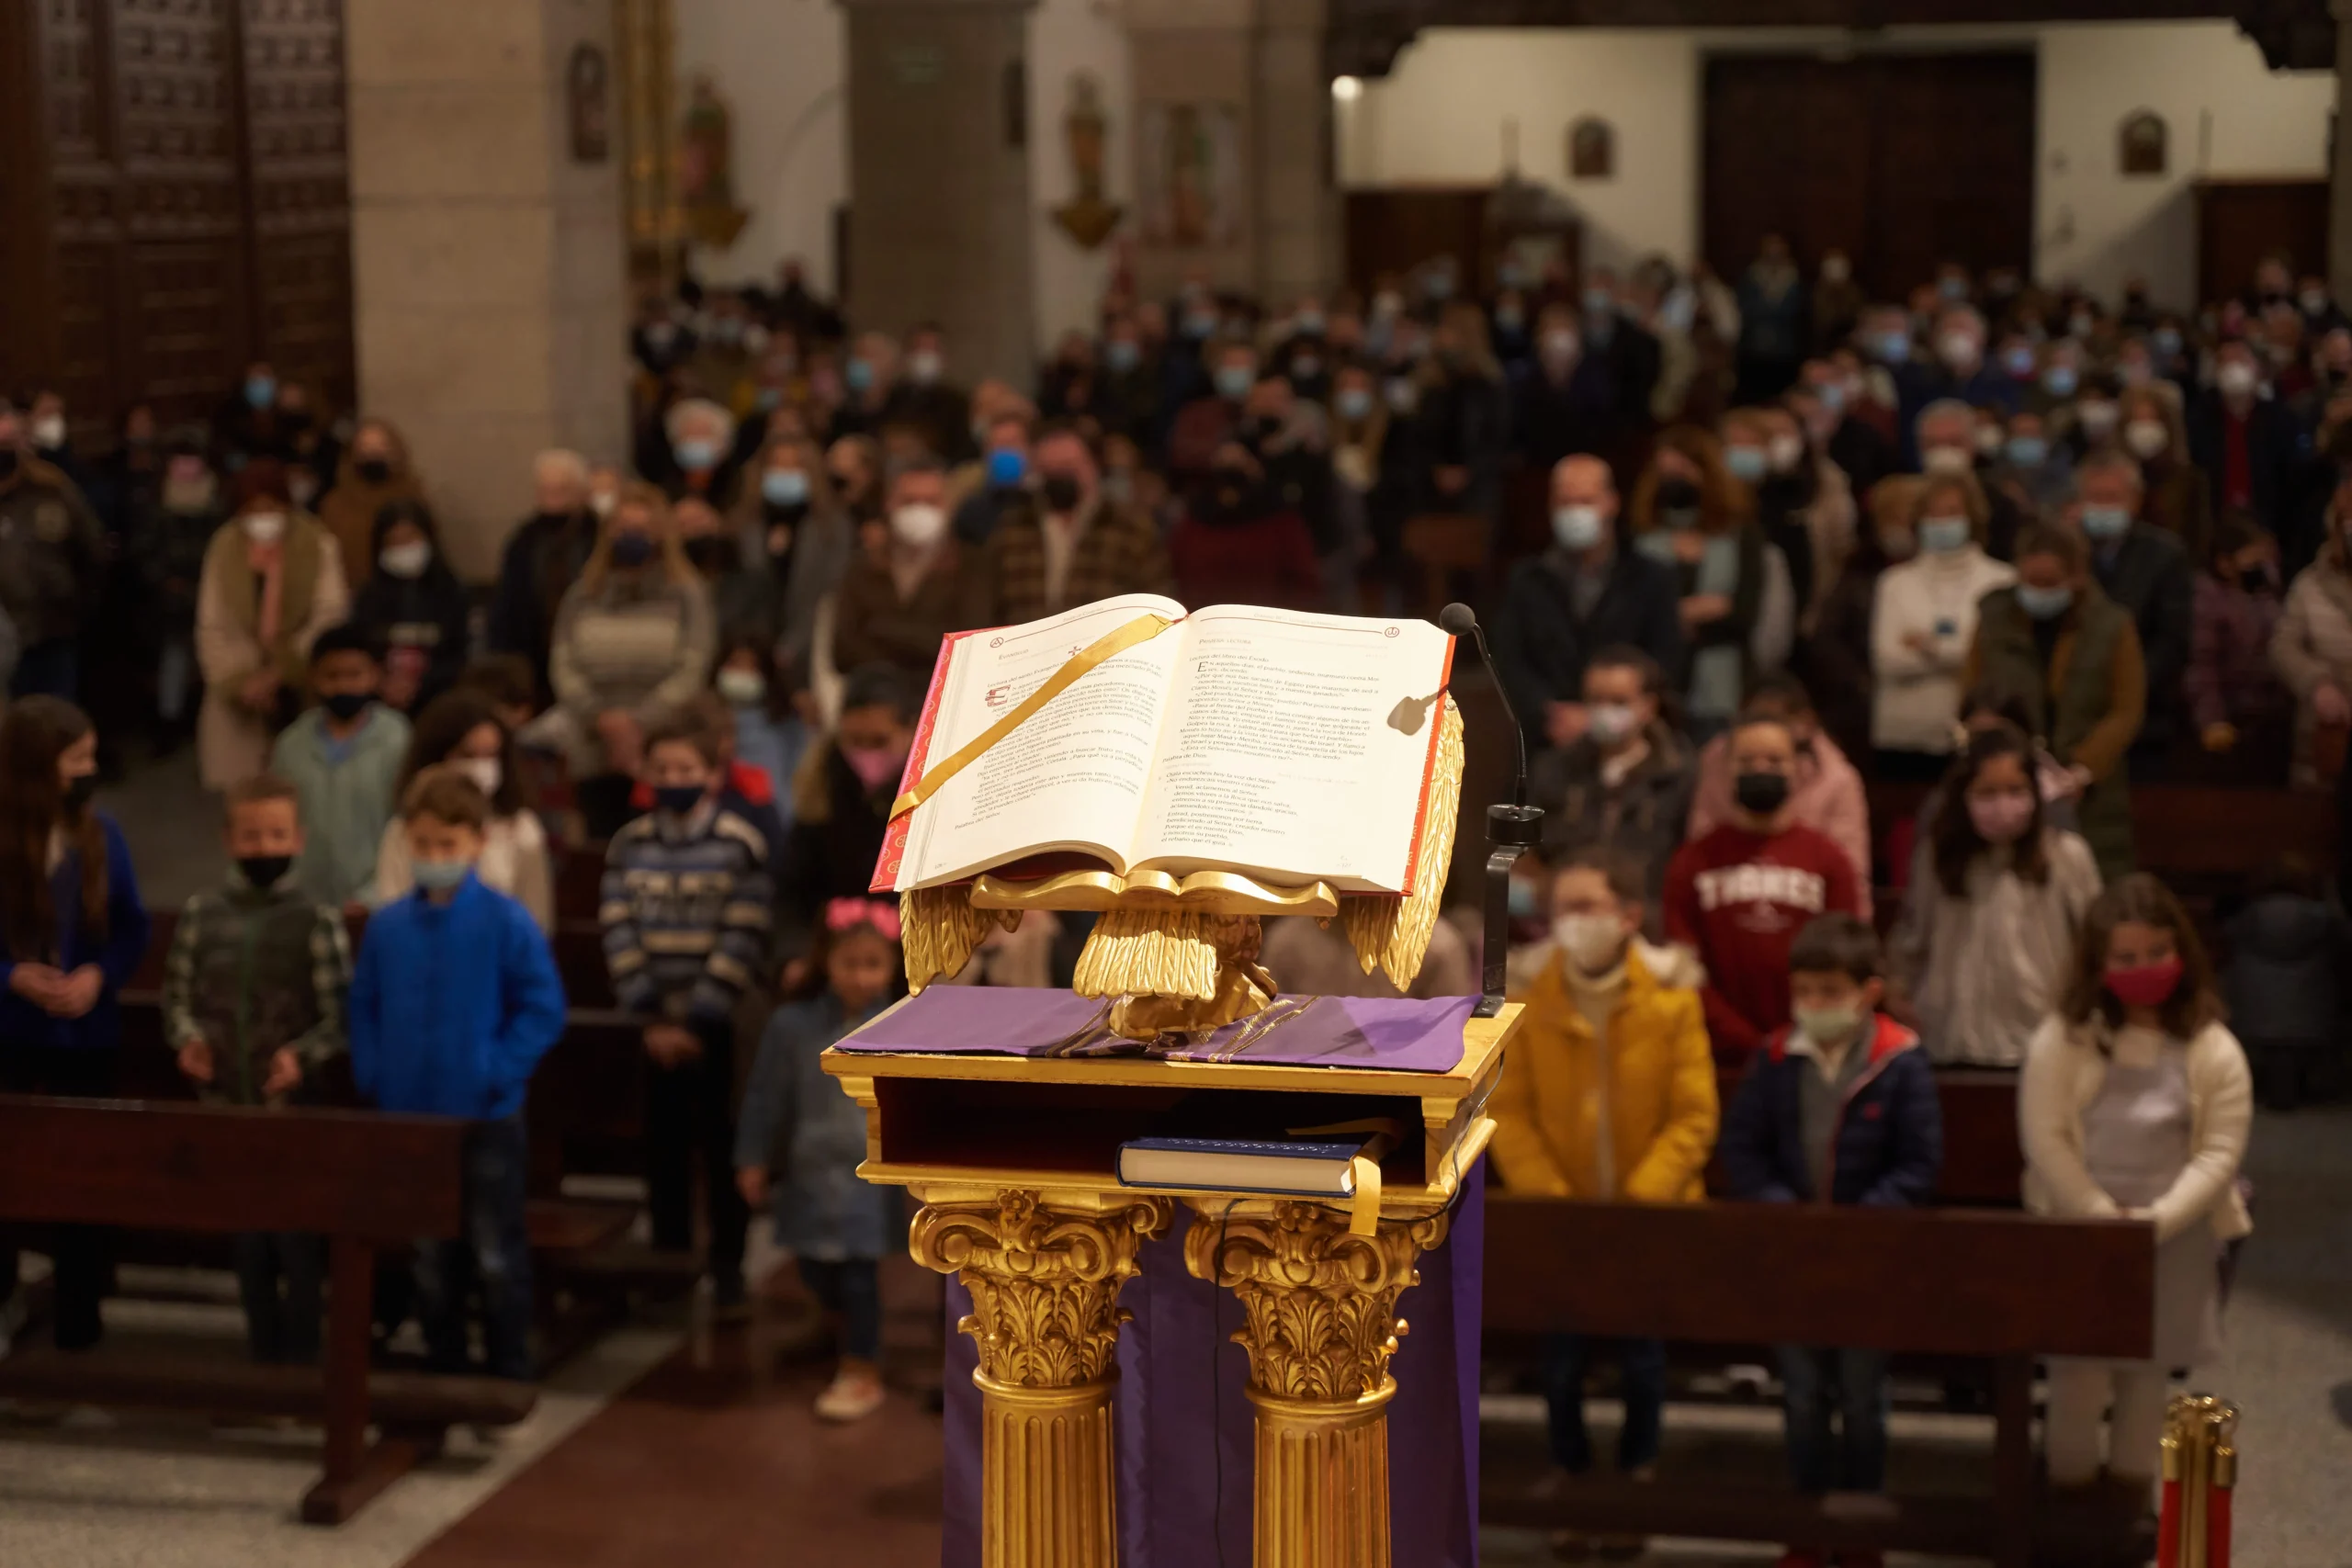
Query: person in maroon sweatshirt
x,y
1738,895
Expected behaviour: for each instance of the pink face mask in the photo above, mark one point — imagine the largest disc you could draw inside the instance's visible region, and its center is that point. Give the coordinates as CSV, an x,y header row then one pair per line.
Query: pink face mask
x,y
876,766
2001,819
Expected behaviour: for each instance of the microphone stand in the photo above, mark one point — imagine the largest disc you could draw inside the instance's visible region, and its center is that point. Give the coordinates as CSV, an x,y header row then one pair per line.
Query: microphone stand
x,y
1512,831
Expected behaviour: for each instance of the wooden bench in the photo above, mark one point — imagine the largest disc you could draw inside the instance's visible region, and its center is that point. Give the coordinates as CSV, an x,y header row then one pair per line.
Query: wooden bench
x,y
1982,1157
361,1180
2005,1288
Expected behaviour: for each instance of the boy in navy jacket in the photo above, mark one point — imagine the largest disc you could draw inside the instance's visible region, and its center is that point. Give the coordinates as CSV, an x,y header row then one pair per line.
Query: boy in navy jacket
x,y
455,1000
1839,1108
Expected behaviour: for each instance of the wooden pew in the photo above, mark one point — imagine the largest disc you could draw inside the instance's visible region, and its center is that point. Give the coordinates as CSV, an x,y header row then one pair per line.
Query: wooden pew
x,y
2003,1287
1982,1157
361,1180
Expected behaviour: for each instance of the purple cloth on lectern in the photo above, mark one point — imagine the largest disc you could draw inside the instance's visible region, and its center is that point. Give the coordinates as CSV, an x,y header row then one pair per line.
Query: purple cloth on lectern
x,y
1394,1035
1185,1426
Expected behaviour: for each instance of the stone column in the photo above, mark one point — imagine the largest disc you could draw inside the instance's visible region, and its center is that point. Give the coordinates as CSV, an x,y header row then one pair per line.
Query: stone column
x,y
492,314
940,212
2339,201
1263,60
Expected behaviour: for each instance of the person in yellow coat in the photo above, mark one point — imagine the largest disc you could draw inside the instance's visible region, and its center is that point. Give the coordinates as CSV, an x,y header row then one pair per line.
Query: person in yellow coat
x,y
1608,1092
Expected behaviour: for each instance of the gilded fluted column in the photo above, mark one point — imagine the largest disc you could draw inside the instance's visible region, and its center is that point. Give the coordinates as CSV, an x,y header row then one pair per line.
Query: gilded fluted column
x,y
1044,1270
1319,1310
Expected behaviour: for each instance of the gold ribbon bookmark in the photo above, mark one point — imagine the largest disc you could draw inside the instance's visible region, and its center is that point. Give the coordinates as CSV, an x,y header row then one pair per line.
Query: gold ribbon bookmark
x,y
1135,633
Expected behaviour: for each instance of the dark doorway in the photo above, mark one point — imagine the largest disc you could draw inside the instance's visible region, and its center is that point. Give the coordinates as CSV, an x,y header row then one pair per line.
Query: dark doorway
x,y
1397,230
1900,160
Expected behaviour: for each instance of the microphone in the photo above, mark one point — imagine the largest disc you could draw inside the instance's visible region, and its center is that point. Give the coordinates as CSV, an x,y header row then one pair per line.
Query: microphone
x,y
1511,829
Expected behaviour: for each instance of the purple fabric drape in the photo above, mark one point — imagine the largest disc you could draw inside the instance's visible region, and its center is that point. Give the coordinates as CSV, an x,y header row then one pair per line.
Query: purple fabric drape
x,y
1185,1428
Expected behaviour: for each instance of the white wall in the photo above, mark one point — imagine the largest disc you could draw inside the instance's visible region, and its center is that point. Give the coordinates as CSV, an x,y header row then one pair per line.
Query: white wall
x,y
1439,117
779,63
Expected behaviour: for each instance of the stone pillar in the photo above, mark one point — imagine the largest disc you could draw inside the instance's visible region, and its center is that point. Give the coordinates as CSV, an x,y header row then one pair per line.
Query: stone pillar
x,y
2339,201
487,262
1263,61
940,212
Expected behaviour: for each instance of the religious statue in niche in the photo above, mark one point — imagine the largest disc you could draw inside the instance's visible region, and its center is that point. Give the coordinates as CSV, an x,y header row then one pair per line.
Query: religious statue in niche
x,y
1592,150
2141,141
705,169
587,92
1089,216
1188,163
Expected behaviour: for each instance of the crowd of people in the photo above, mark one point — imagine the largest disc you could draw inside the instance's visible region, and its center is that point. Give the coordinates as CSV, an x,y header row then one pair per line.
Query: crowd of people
x,y
2025,545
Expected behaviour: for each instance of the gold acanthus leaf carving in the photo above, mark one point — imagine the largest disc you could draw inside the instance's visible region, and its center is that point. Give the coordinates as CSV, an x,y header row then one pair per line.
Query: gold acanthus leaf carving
x,y
1045,1281
1318,1305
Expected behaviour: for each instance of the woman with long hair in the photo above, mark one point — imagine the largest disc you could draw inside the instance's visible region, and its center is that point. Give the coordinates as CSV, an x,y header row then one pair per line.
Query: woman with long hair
x,y
794,532
633,638
1978,958
1688,512
2135,1103
73,929
460,728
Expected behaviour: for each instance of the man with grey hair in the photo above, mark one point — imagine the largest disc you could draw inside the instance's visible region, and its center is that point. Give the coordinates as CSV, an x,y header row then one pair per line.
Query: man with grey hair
x,y
543,556
1945,435
2146,572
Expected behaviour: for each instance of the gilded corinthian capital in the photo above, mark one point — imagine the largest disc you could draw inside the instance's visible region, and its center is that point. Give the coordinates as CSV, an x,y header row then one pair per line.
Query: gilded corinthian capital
x,y
1044,1279
1319,1304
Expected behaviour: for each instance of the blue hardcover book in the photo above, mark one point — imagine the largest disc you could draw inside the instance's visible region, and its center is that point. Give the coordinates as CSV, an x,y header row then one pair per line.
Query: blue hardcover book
x,y
1304,1169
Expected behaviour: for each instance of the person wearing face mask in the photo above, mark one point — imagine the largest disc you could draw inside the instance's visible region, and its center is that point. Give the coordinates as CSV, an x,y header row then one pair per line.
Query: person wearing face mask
x,y
1586,592
2058,637
1242,543
374,472
543,557
1691,516
1738,895
2245,443
1062,544
1565,399
2146,572
169,533
72,931
899,600
1959,372
794,535
1624,783
1131,372
53,562
245,424
461,729
842,799
272,582
2136,1102
926,399
1609,1093
697,455
2312,651
1835,660
633,640
1773,335
768,721
1947,433
1005,478
2178,500
1922,622
343,755
1850,440
1997,894
1824,790
2035,473
1837,301
415,608
1209,421
1839,1109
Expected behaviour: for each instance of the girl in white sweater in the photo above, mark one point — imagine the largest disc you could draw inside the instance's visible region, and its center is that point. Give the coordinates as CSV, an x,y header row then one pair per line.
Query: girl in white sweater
x,y
2134,1104
1923,618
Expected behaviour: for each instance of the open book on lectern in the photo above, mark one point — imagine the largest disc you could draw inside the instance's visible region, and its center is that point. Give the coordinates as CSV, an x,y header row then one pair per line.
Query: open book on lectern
x,y
1294,748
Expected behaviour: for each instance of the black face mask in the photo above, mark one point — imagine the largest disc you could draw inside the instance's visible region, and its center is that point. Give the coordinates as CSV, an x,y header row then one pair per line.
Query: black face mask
x,y
79,792
374,471
1061,492
2255,579
7,462
347,706
678,799
792,514
1763,794
1677,494
262,871
1231,499
710,555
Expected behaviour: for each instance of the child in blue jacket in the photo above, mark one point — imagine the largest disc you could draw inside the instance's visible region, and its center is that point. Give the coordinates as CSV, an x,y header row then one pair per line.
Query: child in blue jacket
x,y
1839,1108
453,1002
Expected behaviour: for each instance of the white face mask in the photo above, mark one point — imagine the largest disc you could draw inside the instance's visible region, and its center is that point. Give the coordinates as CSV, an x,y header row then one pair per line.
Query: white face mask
x,y
923,367
48,432
1959,350
405,561
603,502
1783,451
264,527
2236,378
1946,459
1592,942
487,772
2146,437
743,687
919,523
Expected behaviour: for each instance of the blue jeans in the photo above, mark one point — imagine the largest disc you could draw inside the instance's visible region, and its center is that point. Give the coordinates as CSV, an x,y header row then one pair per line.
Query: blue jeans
x,y
1640,1366
1817,1381
493,1256
852,1291
280,1327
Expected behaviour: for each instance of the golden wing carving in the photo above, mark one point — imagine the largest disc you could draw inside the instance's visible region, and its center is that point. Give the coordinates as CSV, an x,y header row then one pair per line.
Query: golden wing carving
x,y
1163,952
1393,934
941,930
